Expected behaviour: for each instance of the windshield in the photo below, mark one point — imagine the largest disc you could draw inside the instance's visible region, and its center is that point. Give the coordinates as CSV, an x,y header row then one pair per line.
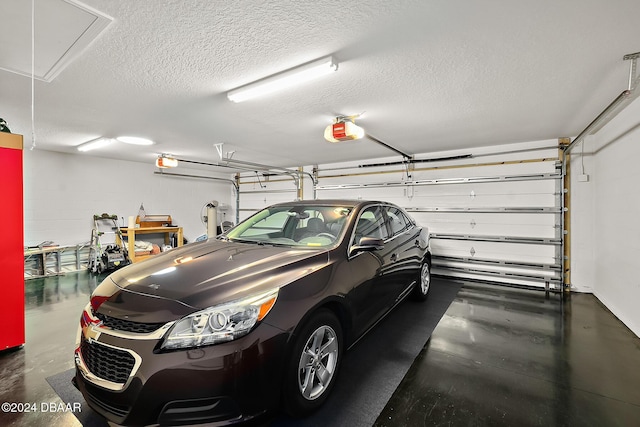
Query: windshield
x,y
299,225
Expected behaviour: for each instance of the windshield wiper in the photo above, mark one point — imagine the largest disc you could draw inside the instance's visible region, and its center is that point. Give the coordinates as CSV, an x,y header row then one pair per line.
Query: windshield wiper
x,y
254,242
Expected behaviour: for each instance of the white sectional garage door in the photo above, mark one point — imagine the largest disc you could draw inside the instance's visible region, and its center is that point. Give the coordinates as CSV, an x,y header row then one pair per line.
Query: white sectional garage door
x,y
495,221
259,191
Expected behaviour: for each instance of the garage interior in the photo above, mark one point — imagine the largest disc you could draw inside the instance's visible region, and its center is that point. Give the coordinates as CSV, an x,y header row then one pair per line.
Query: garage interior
x,y
509,129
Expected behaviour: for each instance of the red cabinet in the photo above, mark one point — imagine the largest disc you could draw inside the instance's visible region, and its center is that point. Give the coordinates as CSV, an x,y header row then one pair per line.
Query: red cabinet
x,y
11,242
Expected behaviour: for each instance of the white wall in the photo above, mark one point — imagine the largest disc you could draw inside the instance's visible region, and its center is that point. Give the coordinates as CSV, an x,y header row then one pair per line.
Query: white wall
x,y
62,192
616,178
582,213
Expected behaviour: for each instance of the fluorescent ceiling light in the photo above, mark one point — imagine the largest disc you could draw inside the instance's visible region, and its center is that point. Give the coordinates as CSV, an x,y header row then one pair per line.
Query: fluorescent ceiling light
x,y
134,140
283,80
94,144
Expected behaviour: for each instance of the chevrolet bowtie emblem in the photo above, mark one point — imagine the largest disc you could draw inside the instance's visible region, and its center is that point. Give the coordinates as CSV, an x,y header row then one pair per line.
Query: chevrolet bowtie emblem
x,y
91,334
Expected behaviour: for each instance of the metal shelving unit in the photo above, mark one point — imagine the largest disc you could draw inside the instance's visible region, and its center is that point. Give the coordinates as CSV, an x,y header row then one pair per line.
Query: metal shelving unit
x,y
55,261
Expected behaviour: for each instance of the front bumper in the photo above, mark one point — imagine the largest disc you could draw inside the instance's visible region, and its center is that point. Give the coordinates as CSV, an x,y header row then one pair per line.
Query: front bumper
x,y
125,379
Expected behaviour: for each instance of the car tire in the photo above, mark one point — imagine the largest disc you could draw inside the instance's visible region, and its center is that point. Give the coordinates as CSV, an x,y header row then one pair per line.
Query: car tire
x,y
313,364
423,282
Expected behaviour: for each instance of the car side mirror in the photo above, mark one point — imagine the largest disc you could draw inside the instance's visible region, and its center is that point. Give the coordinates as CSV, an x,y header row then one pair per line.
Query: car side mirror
x,y
367,244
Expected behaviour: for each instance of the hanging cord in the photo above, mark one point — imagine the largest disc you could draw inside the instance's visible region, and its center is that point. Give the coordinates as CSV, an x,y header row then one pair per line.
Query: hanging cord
x,y
582,156
407,165
33,72
258,176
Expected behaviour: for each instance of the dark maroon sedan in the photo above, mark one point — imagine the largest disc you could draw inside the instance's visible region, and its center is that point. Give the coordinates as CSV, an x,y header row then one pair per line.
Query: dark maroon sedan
x,y
256,319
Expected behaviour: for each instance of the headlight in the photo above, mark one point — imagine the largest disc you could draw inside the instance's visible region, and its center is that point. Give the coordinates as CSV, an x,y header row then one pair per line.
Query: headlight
x,y
220,323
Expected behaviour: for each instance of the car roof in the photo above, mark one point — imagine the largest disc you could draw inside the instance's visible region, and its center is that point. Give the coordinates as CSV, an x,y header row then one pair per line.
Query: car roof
x,y
330,202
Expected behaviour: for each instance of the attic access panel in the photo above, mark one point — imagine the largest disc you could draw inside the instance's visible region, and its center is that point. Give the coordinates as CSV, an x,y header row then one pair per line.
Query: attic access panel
x,y
63,30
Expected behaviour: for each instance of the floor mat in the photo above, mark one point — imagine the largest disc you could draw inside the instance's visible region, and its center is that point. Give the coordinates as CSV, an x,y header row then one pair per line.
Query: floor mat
x,y
61,384
370,371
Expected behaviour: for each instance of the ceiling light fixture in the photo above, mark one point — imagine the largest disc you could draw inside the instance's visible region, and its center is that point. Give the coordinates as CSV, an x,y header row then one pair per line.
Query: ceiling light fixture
x,y
283,80
343,129
134,140
166,161
94,144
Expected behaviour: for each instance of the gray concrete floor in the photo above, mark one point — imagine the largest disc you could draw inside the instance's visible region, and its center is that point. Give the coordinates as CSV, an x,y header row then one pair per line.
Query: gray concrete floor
x,y
53,306
499,356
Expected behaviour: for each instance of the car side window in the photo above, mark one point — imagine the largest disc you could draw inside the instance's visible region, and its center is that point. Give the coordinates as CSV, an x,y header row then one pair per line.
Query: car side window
x,y
398,222
371,224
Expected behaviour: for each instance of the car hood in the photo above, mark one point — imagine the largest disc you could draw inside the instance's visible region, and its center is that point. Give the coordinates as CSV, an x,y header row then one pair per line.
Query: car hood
x,y
200,275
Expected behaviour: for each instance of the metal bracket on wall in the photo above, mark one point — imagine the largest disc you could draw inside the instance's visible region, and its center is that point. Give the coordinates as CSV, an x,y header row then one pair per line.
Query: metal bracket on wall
x,y
633,78
227,161
615,106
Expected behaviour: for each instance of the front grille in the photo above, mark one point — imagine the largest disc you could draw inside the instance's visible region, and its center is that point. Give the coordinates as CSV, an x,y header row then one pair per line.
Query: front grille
x,y
127,325
108,363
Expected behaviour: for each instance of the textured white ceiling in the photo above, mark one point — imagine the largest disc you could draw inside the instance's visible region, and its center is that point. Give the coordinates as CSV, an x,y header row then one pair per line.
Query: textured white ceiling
x,y
431,75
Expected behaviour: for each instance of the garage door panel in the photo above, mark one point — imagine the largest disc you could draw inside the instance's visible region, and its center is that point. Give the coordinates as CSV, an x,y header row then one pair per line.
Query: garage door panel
x,y
488,170
502,194
508,280
499,224
474,200
464,196
264,200
256,193
510,252
515,188
395,195
499,269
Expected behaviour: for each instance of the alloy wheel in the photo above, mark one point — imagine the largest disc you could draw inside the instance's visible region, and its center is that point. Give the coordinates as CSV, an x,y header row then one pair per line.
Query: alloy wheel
x,y
425,278
318,362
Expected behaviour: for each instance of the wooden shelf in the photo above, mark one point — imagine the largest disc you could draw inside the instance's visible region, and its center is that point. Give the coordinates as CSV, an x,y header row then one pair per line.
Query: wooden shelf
x,y
131,233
